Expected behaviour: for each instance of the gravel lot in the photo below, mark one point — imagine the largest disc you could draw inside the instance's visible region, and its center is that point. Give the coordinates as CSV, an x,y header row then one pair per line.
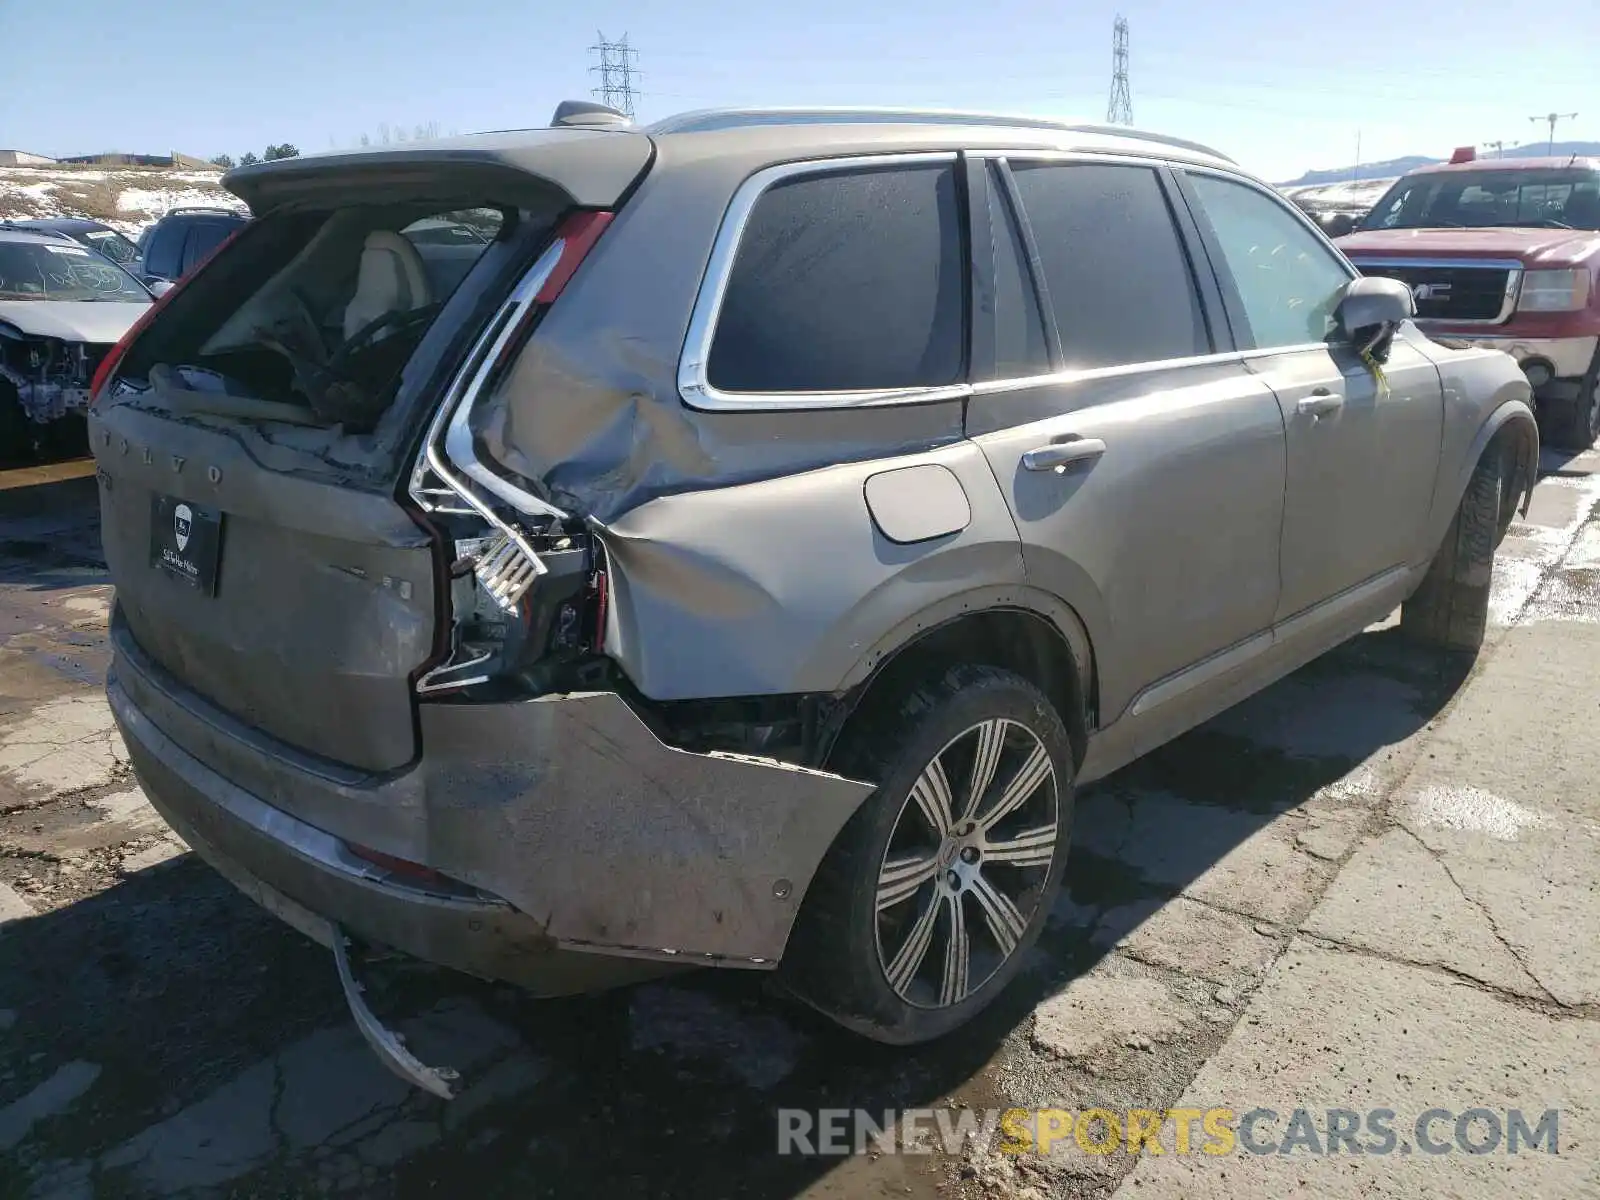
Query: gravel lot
x,y
1373,886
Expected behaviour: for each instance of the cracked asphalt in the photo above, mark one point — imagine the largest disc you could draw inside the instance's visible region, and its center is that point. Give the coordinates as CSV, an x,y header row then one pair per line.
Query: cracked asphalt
x,y
1375,885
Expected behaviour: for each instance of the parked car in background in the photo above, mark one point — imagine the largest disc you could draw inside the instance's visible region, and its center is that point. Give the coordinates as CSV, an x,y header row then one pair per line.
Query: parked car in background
x,y
181,239
96,235
741,563
62,308
1503,253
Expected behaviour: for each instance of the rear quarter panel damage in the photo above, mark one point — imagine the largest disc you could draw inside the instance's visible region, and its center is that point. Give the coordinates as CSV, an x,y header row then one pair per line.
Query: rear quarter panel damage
x,y
590,414
787,585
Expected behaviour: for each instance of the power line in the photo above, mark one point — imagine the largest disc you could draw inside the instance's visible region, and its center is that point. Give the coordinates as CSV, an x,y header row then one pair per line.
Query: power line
x,y
616,71
1119,109
1553,118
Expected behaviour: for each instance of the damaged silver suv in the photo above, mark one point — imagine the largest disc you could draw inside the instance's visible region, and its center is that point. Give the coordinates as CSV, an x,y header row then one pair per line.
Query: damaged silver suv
x,y
736,553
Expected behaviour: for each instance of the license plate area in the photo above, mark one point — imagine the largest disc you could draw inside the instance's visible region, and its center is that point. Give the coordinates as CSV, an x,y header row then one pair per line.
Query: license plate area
x,y
186,542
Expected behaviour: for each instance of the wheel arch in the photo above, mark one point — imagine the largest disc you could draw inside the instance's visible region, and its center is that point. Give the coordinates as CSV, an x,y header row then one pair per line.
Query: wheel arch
x,y
1510,429
1022,629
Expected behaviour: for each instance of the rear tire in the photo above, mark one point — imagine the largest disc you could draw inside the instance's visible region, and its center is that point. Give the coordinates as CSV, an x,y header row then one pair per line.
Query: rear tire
x,y
907,933
1450,609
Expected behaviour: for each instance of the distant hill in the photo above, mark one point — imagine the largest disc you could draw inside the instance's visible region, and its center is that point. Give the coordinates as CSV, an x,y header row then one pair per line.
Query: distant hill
x,y
126,198
1399,166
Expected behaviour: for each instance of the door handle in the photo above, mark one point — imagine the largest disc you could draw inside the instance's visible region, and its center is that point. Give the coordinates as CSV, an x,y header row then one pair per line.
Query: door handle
x,y
1320,403
1057,456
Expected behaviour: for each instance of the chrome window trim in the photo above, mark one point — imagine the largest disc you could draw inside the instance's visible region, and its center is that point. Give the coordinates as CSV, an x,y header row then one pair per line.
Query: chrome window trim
x,y
458,441
697,392
448,441
694,384
1090,374
1514,269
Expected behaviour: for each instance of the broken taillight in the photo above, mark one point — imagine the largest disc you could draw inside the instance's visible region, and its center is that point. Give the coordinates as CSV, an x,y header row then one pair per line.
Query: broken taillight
x,y
577,235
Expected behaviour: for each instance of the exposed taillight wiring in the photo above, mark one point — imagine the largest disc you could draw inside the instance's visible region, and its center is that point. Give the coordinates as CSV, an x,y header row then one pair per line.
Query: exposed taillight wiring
x,y
602,605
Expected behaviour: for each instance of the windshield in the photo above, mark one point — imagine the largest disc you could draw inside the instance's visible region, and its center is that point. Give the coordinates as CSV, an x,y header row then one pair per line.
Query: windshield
x,y
36,271
110,243
1546,199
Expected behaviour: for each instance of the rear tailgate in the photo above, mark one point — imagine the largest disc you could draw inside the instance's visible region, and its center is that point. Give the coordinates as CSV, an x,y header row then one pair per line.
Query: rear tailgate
x,y
320,605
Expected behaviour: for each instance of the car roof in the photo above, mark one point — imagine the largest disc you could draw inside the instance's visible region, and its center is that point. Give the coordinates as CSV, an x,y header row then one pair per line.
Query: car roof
x,y
62,223
1560,162
594,165
10,233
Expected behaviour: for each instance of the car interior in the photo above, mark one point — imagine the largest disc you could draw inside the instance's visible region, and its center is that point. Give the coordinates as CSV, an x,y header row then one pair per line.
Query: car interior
x,y
330,329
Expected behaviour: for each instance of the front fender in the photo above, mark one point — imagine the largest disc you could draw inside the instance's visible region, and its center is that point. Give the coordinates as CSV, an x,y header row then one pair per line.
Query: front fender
x,y
1486,397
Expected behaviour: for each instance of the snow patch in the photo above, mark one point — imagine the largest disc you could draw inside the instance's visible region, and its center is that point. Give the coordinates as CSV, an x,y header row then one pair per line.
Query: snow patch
x,y
1473,810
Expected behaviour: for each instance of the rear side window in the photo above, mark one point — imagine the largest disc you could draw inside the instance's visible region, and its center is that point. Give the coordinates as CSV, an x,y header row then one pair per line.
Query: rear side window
x,y
1020,348
1118,277
204,237
164,255
846,281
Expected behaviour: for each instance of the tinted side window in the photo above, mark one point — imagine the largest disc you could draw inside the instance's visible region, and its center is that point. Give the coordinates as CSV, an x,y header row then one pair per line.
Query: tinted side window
x,y
1020,348
204,237
1119,279
846,281
1288,281
164,255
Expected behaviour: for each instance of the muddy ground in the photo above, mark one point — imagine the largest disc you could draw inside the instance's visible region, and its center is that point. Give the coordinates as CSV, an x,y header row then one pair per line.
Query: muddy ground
x,y
1352,855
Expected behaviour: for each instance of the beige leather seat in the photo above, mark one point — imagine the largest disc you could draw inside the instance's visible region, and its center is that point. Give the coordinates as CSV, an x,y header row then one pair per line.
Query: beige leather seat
x,y
391,278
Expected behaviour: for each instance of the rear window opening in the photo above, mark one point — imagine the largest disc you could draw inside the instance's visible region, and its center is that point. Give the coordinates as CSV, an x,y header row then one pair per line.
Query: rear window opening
x,y
313,317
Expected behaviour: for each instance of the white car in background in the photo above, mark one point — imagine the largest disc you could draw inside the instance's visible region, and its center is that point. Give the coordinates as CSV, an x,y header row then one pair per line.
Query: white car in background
x,y
62,307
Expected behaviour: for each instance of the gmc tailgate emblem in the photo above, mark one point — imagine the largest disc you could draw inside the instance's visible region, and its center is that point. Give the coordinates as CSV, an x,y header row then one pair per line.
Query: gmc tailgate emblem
x,y
1430,291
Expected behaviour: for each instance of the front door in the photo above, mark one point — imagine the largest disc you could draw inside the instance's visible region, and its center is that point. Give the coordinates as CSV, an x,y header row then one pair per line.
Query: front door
x,y
1145,473
1363,445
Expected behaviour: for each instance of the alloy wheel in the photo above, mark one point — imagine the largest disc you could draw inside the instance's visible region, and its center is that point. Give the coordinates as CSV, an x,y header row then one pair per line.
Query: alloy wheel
x,y
966,864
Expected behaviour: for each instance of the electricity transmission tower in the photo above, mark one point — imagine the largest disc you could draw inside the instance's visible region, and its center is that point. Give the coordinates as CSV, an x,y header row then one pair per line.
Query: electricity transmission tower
x,y
1553,118
1119,110
616,71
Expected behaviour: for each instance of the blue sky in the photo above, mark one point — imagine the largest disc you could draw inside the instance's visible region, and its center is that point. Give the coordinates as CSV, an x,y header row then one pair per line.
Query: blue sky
x,y
1280,87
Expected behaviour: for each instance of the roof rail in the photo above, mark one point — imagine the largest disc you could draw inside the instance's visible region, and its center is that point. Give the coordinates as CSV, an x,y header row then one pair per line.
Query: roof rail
x,y
712,119
210,208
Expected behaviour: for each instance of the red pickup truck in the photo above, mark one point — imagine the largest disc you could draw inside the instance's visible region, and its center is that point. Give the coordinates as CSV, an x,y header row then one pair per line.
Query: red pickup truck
x,y
1503,253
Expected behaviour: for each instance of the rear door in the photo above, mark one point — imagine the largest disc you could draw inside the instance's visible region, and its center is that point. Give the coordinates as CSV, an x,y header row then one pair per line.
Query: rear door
x,y
1144,463
1363,449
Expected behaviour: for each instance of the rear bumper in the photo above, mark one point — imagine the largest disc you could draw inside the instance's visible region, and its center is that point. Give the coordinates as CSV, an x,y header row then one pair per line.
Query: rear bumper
x,y
580,851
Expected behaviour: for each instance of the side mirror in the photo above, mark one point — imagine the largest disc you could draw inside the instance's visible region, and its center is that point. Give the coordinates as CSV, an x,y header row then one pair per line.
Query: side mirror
x,y
159,286
1369,312
1339,224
